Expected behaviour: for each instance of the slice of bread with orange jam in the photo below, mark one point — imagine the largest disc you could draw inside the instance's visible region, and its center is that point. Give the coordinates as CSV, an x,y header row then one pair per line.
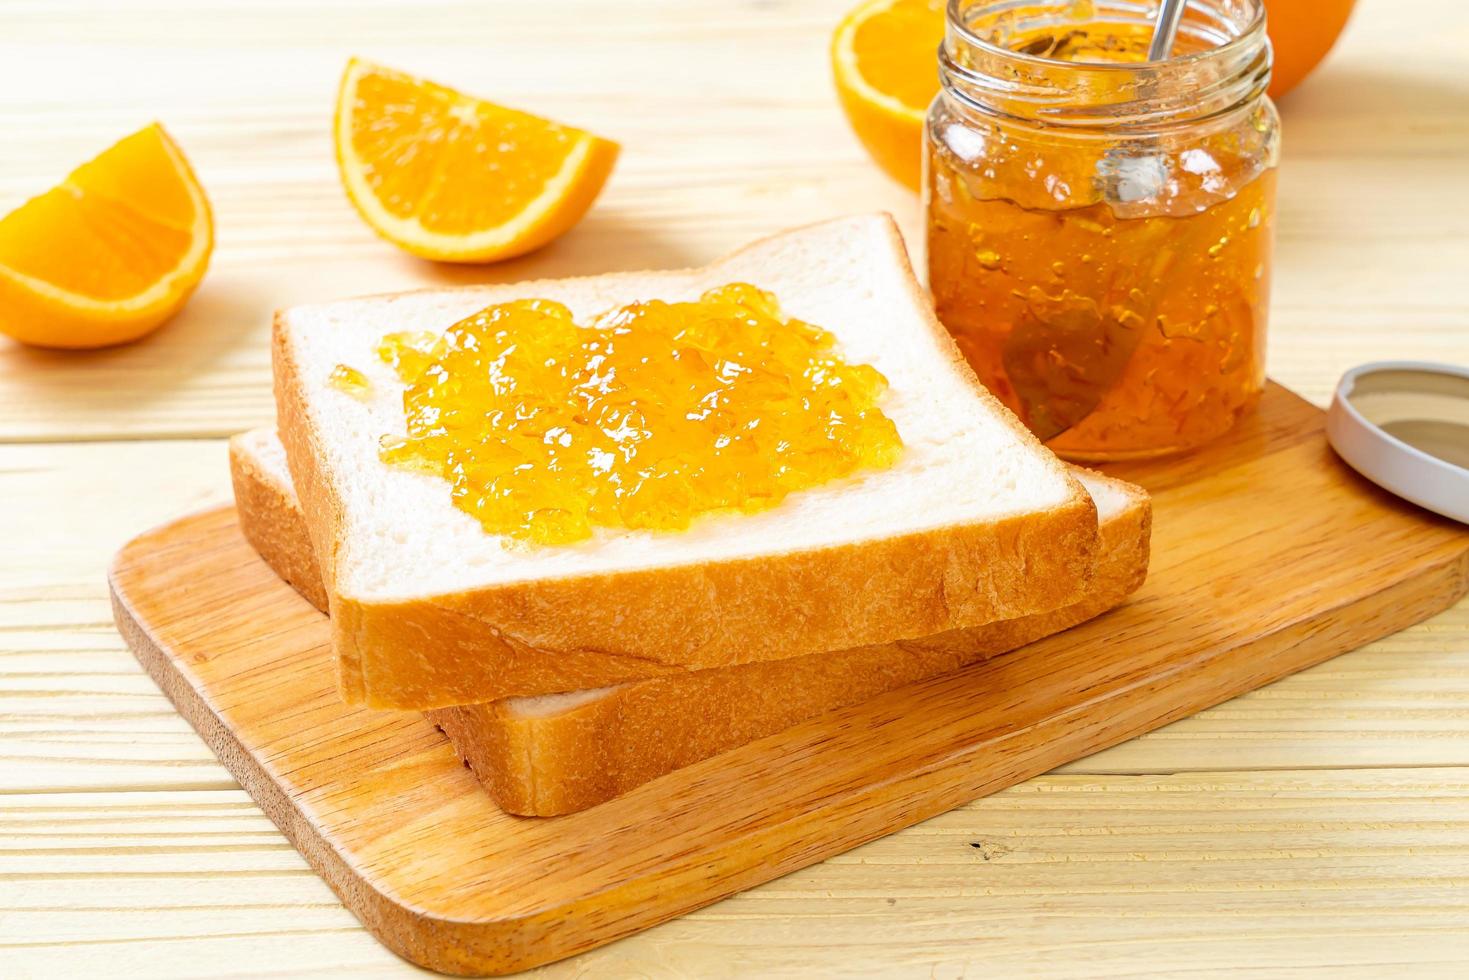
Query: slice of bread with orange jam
x,y
975,521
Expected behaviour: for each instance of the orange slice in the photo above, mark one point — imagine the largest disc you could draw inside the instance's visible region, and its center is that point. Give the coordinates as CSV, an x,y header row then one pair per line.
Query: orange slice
x,y
108,254
452,178
884,55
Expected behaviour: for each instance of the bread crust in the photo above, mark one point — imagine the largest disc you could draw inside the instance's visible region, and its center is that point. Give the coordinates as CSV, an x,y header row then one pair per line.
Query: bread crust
x,y
590,630
574,759
547,763
271,520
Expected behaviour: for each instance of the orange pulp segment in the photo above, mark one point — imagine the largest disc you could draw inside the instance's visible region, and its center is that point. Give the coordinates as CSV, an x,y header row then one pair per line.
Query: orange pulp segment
x,y
108,254
453,178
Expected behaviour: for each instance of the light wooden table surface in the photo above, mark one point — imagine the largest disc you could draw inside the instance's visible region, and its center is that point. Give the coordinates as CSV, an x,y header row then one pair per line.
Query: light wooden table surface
x,y
1318,825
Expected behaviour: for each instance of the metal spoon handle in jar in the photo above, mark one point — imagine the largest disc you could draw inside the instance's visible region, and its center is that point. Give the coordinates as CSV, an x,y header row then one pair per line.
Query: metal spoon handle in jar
x,y
1165,29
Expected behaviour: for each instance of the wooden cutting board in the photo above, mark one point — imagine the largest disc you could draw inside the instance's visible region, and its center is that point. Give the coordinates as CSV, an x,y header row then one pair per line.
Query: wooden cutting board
x,y
1269,555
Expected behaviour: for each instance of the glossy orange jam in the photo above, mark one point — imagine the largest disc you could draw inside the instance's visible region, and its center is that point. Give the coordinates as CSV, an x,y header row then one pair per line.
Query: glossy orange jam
x,y
1110,286
645,417
350,381
1101,331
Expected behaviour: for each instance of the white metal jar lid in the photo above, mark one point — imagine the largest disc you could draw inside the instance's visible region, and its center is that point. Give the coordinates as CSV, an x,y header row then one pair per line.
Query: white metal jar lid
x,y
1404,425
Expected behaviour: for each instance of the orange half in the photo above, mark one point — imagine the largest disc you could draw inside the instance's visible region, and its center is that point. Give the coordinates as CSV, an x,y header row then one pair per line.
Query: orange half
x,y
453,178
108,254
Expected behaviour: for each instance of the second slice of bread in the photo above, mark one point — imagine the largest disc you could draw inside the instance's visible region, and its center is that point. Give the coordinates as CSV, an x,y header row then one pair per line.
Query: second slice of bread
x,y
976,522
557,753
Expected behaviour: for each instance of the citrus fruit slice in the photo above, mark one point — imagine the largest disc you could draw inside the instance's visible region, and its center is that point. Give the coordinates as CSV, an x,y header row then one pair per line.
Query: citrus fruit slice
x,y
108,254
884,57
452,178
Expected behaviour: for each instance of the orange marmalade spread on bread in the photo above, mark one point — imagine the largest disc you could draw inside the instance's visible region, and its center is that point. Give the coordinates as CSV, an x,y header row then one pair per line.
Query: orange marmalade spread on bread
x,y
645,417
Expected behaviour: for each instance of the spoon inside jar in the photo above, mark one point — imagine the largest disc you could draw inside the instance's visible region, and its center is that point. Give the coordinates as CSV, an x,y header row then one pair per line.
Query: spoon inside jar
x,y
1165,29
1052,360
1051,356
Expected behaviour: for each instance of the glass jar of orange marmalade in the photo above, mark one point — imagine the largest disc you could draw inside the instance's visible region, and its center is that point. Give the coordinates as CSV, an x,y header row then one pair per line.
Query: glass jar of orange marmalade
x,y
1100,226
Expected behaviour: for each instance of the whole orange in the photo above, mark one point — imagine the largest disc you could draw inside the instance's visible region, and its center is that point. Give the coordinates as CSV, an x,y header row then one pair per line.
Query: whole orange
x,y
1302,32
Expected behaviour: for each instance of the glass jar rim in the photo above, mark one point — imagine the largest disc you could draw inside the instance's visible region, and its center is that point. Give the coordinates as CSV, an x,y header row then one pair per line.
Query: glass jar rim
x,y
1248,36
1196,85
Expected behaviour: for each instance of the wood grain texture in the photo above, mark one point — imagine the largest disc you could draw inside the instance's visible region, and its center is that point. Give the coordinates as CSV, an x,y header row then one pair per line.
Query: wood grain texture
x,y
1372,745
1356,872
1239,595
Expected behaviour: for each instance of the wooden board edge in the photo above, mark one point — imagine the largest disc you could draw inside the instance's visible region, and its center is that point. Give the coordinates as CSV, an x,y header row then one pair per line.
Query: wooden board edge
x,y
398,927
494,947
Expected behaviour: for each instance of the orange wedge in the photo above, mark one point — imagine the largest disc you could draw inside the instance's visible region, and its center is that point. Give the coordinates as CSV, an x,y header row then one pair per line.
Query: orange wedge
x,y
110,253
452,178
884,55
